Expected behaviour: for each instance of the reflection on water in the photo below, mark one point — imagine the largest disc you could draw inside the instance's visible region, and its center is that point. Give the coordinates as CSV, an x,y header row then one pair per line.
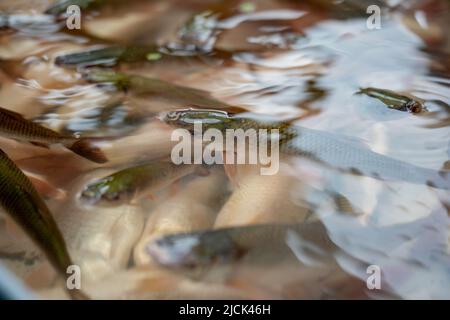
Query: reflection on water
x,y
299,61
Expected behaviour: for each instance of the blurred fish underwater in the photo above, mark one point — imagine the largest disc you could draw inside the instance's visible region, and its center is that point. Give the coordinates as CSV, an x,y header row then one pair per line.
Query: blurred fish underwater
x,y
363,110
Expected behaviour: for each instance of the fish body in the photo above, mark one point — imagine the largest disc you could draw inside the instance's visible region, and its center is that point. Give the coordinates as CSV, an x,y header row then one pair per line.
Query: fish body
x,y
15,126
332,150
135,182
351,156
394,100
288,261
229,245
109,55
153,86
22,202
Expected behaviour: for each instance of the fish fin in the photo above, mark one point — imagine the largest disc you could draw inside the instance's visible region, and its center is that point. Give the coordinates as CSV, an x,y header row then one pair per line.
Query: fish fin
x,y
309,113
12,114
446,165
231,172
46,189
361,91
441,180
234,109
195,91
86,149
40,144
202,171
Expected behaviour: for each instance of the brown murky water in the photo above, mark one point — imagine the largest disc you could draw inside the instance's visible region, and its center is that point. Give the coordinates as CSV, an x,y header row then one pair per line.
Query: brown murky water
x,y
285,59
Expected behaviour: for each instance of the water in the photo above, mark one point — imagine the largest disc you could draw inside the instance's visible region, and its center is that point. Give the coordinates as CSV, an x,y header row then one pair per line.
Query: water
x,y
282,59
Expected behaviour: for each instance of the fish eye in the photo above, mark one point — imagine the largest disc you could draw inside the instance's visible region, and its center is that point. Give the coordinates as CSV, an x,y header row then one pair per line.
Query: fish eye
x,y
414,106
113,196
87,193
173,115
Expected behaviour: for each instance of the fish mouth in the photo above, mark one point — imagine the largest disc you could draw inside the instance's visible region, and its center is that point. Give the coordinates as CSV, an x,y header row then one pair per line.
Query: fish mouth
x,y
88,197
173,254
161,116
162,256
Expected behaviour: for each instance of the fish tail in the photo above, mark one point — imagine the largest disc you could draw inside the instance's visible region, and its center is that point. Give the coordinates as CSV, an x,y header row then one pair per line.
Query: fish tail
x,y
414,174
86,149
440,180
361,91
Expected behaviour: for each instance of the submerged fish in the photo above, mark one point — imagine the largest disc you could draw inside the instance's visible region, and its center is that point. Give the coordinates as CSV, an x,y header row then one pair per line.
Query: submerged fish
x,y
15,126
339,152
286,261
228,245
145,85
135,182
394,100
108,56
22,202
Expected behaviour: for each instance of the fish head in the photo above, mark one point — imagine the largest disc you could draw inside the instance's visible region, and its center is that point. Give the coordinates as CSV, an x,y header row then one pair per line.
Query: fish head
x,y
187,118
415,107
107,191
194,250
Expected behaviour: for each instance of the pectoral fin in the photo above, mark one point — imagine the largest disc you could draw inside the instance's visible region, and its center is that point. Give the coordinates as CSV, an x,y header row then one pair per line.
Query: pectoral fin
x,y
40,144
86,149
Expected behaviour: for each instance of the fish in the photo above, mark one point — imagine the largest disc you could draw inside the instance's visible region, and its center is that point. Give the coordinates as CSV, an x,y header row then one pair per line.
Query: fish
x,y
45,188
145,85
283,260
334,151
20,256
14,126
108,56
133,183
21,201
394,100
223,246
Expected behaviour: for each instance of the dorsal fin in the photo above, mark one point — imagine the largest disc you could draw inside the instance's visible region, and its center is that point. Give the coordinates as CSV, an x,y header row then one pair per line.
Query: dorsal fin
x,y
12,114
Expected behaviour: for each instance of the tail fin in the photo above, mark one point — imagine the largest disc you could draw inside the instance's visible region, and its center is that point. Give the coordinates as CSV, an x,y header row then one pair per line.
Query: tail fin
x,y
86,149
441,180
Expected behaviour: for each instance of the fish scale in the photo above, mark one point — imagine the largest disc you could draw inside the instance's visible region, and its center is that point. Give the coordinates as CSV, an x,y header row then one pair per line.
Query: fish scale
x,y
227,245
14,126
135,182
21,201
350,156
335,151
